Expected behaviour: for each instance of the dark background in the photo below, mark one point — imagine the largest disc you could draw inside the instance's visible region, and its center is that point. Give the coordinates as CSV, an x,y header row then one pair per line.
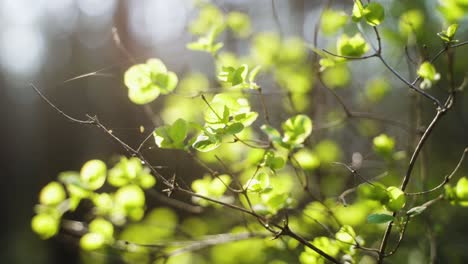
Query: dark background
x,y
49,42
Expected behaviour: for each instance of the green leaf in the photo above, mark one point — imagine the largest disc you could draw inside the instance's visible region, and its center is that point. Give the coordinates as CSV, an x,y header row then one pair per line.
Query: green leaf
x,y
171,136
129,197
93,174
375,192
297,129
52,194
207,43
102,226
374,14
332,21
428,72
45,225
275,201
384,145
396,199
204,143
307,159
461,189
346,235
448,34
145,82
411,22
355,46
358,11
327,151
273,162
273,134
234,76
451,30
379,218
92,241
234,128
259,183
239,23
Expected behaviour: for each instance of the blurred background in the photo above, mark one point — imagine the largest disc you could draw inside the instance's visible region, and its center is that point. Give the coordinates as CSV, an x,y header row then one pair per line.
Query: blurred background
x,y
55,43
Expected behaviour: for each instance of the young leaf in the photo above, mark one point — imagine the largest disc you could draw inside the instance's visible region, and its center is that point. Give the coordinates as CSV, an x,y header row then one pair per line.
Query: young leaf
x,y
374,14
358,11
428,72
92,241
93,174
52,194
355,46
234,128
396,199
384,145
461,189
239,23
204,143
379,218
171,136
297,129
45,225
332,21
145,82
448,34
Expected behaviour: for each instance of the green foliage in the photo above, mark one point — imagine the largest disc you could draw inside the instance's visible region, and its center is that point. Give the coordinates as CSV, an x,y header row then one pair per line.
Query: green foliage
x,y
396,199
210,187
448,34
379,218
332,21
384,145
93,174
411,22
355,46
145,82
45,225
266,174
172,136
373,13
52,194
429,74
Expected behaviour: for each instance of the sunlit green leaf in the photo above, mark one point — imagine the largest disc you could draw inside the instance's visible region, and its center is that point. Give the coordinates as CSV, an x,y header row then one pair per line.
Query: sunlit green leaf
x,y
130,196
52,194
374,13
92,241
332,21
239,23
384,145
379,218
354,46
396,199
171,136
45,225
102,226
428,72
411,22
93,174
204,143
297,129
146,81
461,189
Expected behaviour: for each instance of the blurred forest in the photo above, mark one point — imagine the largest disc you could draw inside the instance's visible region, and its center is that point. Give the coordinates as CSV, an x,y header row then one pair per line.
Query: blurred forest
x,y
54,44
